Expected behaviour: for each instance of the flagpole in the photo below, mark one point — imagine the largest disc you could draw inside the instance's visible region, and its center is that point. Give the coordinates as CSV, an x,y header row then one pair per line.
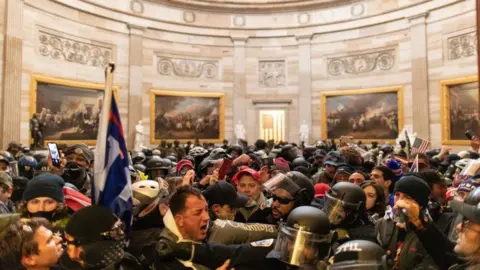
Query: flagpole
x,y
99,170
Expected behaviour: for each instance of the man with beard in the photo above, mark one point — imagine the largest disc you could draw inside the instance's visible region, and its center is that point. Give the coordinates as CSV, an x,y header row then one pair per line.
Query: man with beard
x,y
288,191
75,169
438,246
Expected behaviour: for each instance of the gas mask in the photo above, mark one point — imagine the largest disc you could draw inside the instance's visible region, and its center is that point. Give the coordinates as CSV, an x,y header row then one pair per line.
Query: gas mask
x,y
75,174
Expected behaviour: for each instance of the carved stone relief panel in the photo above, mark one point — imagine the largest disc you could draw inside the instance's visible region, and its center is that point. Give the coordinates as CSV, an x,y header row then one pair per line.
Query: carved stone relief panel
x,y
69,48
187,68
462,46
272,73
381,60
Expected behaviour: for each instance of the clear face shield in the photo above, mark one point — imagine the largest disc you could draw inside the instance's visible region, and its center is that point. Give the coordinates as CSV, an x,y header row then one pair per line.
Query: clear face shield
x,y
282,181
338,210
298,247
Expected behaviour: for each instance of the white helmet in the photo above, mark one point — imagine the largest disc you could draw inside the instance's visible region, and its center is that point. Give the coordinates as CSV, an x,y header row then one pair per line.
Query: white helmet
x,y
462,163
147,194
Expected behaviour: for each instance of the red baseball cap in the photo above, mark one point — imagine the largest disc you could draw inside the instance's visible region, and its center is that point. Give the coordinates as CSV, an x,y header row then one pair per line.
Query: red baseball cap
x,y
246,171
183,163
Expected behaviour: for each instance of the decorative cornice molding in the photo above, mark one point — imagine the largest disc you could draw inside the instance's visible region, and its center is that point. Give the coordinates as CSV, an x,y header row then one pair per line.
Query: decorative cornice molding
x,y
361,63
136,29
187,68
304,38
239,40
415,17
78,50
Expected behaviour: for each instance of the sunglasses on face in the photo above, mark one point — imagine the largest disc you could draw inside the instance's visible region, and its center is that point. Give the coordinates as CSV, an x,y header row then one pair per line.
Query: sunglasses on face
x,y
282,200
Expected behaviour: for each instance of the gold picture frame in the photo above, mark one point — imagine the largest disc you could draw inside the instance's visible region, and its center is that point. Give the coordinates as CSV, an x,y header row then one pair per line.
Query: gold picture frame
x,y
154,139
446,114
398,90
39,79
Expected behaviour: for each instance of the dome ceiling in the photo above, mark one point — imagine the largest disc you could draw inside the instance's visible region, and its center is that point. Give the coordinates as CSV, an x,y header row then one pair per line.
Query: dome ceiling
x,y
253,5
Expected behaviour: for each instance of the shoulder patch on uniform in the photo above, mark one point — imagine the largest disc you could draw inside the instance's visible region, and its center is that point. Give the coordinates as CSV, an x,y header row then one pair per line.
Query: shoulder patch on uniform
x,y
262,243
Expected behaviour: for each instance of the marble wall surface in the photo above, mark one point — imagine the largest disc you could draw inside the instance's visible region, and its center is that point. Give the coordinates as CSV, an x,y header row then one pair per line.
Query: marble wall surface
x,y
282,59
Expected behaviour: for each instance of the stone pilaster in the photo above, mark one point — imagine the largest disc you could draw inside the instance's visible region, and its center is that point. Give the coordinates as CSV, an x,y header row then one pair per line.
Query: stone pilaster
x,y
239,87
10,115
420,112
135,88
305,81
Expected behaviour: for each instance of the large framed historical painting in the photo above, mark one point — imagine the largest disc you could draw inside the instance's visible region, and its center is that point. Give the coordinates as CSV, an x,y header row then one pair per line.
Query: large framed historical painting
x,y
459,107
367,114
185,116
67,110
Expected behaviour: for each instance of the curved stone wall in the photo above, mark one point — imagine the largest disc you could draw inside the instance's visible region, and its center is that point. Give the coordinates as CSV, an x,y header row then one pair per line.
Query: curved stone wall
x,y
307,50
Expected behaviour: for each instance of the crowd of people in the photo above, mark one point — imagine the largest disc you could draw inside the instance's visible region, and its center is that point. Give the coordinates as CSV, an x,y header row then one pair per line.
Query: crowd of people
x,y
331,205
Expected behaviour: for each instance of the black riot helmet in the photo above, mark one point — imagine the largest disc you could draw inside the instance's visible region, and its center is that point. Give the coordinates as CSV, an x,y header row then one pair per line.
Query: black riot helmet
x,y
300,162
359,255
304,239
386,149
217,153
138,157
344,204
470,207
140,167
171,158
204,165
235,148
295,183
288,152
8,156
157,167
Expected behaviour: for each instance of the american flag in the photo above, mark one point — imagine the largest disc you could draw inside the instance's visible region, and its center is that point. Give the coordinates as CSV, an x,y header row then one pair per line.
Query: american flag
x,y
419,146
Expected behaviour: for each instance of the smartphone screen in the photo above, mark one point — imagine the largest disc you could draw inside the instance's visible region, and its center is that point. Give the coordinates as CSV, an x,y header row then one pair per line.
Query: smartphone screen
x,y
54,154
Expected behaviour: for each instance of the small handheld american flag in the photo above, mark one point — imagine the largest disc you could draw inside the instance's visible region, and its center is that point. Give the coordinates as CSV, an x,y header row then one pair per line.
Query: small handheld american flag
x,y
420,146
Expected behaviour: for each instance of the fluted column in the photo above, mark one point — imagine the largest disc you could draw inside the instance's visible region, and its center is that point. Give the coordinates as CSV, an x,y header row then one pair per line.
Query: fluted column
x,y
420,113
239,87
305,81
10,116
135,87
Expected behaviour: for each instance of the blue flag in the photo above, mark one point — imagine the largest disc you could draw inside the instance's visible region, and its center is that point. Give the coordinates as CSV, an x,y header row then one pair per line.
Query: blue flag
x,y
112,185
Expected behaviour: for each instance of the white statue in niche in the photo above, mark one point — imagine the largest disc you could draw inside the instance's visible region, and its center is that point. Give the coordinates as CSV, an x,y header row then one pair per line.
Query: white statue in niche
x,y
139,137
304,132
240,131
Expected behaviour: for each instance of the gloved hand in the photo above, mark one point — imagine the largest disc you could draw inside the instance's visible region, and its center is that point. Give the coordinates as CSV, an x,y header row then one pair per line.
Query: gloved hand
x,y
167,249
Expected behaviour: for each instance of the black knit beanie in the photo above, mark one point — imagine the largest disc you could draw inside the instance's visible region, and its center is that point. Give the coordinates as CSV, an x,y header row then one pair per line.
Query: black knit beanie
x,y
414,187
89,222
44,185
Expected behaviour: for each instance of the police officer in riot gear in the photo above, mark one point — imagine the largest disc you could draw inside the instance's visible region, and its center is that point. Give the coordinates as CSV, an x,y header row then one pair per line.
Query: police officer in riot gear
x,y
288,191
303,242
157,167
359,255
345,208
